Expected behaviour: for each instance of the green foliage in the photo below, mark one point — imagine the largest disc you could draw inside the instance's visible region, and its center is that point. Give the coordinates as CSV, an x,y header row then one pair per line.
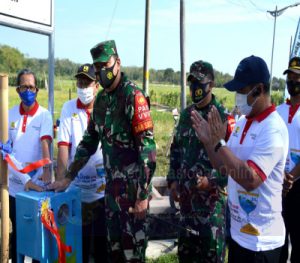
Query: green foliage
x,y
277,97
163,126
11,59
278,84
167,258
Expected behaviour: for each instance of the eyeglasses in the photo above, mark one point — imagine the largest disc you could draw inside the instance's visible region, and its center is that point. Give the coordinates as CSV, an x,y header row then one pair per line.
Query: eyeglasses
x,y
23,88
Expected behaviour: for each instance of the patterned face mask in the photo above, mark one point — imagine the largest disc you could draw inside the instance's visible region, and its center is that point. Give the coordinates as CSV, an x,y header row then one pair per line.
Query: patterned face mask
x,y
199,91
106,76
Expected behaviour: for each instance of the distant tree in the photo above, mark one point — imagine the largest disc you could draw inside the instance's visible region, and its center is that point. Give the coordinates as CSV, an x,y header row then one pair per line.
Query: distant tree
x,y
169,75
65,67
11,59
278,84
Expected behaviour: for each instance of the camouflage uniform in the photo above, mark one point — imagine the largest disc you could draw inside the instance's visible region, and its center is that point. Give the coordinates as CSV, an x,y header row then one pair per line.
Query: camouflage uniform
x,y
203,211
121,121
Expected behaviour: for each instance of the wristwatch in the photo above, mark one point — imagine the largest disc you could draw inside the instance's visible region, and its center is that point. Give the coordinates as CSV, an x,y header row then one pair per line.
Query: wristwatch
x,y
220,144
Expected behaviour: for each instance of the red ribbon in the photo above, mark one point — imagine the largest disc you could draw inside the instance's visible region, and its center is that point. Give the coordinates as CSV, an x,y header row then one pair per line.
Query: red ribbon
x,y
28,168
48,221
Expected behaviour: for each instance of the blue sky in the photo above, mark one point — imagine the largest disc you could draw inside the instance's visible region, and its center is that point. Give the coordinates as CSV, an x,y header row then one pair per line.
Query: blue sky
x,y
220,31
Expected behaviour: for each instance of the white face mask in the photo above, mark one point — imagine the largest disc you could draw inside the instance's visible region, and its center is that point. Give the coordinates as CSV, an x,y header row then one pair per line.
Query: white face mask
x,y
242,104
85,95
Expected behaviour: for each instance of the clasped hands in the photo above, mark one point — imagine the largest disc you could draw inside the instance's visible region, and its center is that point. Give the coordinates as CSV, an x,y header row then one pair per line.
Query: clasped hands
x,y
209,132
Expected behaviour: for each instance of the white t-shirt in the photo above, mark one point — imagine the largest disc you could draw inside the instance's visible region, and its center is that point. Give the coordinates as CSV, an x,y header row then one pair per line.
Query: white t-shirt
x,y
91,178
291,117
256,221
26,132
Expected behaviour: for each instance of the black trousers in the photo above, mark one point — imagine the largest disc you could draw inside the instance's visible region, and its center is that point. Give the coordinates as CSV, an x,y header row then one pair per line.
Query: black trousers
x,y
94,237
238,254
290,207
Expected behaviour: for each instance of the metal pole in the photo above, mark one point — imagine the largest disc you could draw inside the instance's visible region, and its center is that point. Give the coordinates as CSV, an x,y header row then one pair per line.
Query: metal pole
x,y
271,68
3,170
51,65
51,75
182,55
146,48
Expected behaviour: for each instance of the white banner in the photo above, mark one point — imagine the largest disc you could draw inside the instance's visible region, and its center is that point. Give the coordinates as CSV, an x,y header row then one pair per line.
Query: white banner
x,y
295,52
296,45
34,11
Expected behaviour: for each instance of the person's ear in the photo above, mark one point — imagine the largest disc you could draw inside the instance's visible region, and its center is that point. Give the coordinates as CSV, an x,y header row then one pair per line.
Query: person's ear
x,y
97,86
257,91
118,61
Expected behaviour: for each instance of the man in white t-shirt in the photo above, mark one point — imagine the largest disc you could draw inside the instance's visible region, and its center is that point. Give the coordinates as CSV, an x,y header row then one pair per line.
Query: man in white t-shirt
x,y
290,113
254,161
90,179
30,130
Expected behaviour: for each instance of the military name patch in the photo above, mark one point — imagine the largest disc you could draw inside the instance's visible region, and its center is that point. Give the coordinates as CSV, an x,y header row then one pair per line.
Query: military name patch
x,y
142,119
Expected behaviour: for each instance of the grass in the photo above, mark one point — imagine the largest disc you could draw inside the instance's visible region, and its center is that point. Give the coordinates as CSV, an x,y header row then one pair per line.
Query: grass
x,y
168,258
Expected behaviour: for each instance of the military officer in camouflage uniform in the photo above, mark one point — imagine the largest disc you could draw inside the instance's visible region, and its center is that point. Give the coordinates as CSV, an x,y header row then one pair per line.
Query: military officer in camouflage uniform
x,y
192,180
121,121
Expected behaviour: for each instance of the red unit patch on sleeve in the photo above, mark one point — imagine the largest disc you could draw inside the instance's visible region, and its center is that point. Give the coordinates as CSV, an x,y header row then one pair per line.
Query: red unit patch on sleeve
x,y
142,119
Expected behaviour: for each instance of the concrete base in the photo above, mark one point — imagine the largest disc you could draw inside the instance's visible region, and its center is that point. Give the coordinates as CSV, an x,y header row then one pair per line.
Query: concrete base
x,y
156,248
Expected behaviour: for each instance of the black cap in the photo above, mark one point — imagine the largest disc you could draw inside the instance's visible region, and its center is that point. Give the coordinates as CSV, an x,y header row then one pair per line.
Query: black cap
x,y
294,66
86,70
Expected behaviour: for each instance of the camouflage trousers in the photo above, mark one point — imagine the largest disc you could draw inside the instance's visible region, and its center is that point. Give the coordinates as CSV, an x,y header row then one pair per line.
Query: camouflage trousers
x,y
209,246
127,237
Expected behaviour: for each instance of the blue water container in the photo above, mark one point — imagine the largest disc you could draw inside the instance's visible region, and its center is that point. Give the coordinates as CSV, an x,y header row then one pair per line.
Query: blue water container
x,y
34,240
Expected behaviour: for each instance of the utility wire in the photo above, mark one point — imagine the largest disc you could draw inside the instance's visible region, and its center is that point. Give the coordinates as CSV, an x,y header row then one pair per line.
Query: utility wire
x,y
111,20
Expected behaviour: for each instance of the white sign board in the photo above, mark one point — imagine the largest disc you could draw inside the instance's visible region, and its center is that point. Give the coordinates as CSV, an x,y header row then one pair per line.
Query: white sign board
x,y
35,14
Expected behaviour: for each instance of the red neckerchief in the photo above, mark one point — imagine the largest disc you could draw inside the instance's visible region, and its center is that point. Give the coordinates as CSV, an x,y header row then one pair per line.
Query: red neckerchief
x,y
80,105
292,110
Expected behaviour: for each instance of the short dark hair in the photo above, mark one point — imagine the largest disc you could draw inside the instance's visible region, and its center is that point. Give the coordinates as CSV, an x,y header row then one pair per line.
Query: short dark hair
x,y
25,71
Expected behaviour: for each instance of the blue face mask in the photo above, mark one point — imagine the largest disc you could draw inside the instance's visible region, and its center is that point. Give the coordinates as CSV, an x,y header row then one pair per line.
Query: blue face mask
x,y
27,97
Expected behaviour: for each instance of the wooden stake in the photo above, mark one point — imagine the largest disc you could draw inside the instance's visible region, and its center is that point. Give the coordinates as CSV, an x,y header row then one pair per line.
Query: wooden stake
x,y
3,170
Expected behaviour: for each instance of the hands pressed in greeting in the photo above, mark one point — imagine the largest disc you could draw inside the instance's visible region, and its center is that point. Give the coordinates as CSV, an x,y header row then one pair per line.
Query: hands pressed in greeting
x,y
210,131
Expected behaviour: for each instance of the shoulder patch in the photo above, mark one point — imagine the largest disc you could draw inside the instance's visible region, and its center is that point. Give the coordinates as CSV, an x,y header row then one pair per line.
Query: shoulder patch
x,y
142,119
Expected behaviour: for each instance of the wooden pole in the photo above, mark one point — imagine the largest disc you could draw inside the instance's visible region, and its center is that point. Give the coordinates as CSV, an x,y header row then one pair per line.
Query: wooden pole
x,y
146,48
182,54
3,170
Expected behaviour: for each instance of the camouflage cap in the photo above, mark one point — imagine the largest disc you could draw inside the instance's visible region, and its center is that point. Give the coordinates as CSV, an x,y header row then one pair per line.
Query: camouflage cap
x,y
294,66
201,69
103,51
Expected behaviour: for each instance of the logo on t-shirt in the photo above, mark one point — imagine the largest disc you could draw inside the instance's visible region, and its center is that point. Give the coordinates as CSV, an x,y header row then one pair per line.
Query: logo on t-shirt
x,y
236,131
12,125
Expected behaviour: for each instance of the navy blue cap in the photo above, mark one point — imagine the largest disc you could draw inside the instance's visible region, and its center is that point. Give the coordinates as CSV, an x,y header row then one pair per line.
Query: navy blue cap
x,y
86,70
251,70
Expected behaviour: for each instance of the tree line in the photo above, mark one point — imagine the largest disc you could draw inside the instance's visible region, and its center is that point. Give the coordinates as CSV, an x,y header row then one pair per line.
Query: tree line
x,y
12,60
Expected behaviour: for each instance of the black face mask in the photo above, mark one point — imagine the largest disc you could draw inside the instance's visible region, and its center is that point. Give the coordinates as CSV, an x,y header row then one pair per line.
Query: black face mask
x,y
198,91
106,76
293,87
